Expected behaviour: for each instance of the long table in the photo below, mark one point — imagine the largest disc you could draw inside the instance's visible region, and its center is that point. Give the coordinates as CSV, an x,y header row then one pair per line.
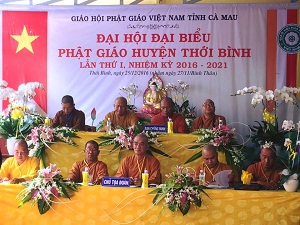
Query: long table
x,y
95,205
175,145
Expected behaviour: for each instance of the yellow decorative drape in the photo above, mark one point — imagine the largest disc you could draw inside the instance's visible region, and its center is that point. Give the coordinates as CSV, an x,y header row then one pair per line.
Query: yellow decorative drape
x,y
96,205
175,145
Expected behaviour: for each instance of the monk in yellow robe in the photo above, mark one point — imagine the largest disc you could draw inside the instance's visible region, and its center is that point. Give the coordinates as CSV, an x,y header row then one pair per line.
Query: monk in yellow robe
x,y
133,166
208,119
96,169
266,172
167,111
211,165
21,167
121,116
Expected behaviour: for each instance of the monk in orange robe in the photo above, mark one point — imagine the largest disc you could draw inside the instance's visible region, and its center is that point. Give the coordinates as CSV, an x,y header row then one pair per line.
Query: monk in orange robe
x,y
167,111
120,116
133,166
208,119
266,172
211,165
96,169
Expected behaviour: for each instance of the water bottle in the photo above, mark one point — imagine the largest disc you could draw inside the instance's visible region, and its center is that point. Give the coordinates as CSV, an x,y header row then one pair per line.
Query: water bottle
x,y
108,126
47,121
145,177
170,126
202,177
85,176
220,123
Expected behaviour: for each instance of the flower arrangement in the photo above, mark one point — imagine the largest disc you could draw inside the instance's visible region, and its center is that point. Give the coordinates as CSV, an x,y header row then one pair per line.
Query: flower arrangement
x,y
268,129
179,191
224,138
47,187
123,139
18,119
42,136
291,159
20,97
15,122
179,96
132,93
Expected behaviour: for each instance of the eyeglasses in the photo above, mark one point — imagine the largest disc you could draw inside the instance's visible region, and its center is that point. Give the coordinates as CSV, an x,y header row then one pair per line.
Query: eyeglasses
x,y
208,105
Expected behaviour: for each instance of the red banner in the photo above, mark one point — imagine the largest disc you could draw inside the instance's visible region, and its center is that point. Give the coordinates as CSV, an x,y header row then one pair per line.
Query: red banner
x,y
24,41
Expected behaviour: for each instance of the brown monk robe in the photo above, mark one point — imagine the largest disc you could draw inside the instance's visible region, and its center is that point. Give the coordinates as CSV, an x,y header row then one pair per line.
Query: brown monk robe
x,y
209,173
120,116
96,169
133,166
208,119
69,116
267,171
212,166
167,108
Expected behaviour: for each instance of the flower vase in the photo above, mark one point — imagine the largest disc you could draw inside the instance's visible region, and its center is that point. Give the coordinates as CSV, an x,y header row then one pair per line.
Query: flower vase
x,y
291,185
10,145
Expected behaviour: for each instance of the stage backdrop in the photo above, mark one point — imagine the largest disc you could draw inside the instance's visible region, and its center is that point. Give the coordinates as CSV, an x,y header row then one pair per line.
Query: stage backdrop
x,y
91,52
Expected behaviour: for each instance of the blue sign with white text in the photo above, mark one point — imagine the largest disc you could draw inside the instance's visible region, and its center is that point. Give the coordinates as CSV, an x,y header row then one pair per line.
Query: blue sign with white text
x,y
155,128
116,181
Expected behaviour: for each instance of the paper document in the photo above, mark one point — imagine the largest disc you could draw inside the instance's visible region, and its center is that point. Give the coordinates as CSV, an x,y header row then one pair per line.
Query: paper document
x,y
222,178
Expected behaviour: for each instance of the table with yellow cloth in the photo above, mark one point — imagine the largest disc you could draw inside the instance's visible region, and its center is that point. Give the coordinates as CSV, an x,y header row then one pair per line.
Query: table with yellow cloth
x,y
175,145
96,205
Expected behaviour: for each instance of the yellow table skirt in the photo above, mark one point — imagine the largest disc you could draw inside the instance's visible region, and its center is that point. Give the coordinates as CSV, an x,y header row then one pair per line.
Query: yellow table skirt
x,y
175,145
96,205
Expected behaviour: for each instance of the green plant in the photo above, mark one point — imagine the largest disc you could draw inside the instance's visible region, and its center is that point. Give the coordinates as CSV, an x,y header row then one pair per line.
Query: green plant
x,y
42,136
123,139
45,188
225,140
16,123
185,109
290,158
179,191
18,118
267,132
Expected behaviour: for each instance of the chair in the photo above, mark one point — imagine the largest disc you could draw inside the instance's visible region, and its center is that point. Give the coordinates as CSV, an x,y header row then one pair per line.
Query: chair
x,y
90,128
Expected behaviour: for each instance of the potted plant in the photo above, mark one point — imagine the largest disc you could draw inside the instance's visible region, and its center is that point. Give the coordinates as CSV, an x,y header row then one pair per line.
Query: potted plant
x,y
267,130
18,119
291,159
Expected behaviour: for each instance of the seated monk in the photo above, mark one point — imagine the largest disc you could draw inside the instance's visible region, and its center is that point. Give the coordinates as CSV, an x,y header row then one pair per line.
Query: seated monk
x,y
208,119
21,167
69,116
96,169
167,111
121,116
133,166
152,99
266,172
211,165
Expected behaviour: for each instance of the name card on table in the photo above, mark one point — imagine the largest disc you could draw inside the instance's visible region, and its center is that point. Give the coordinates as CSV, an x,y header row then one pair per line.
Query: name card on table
x,y
116,181
155,128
